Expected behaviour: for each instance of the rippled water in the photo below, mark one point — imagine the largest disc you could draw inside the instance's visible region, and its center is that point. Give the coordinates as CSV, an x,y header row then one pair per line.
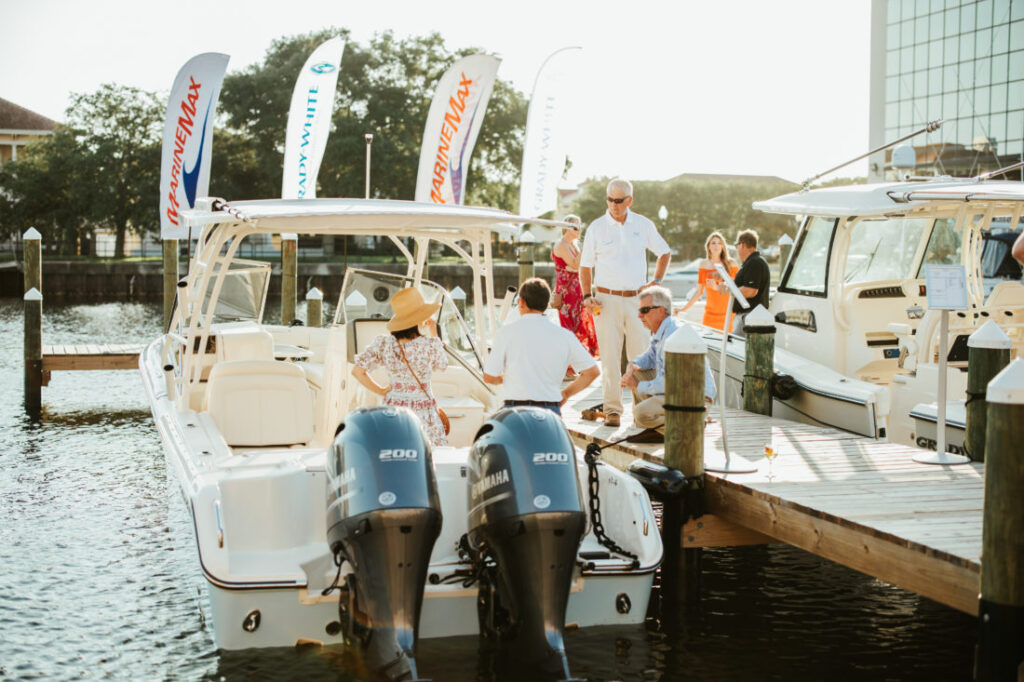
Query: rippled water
x,y
94,585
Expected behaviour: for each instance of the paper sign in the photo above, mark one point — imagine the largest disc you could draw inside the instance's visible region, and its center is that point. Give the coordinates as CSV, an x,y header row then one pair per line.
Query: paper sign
x,y
732,286
946,286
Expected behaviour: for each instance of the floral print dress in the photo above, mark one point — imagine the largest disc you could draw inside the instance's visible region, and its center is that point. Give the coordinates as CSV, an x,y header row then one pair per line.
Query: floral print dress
x,y
425,354
572,315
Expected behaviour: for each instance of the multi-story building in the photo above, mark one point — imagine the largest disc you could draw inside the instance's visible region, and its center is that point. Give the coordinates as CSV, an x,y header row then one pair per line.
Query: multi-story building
x,y
957,60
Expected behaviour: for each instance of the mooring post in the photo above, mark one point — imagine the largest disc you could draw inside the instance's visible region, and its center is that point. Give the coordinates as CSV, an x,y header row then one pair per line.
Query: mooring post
x,y
289,273
314,308
685,355
988,352
171,253
759,328
459,299
1001,608
526,242
32,265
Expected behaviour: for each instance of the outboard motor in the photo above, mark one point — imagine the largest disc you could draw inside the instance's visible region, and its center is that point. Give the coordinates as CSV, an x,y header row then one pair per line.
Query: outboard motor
x,y
383,516
526,515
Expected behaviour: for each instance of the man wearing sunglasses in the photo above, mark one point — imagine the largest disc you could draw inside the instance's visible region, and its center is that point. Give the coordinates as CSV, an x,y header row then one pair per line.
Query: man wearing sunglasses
x,y
613,272
646,373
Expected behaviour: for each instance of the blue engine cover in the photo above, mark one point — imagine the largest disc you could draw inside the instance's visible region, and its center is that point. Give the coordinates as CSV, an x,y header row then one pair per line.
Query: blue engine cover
x,y
522,462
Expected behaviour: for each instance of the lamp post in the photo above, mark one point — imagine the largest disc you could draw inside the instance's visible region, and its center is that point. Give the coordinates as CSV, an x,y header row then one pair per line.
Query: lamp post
x,y
369,143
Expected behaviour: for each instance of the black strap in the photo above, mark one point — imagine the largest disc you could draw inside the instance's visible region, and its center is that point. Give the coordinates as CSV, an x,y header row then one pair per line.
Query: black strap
x,y
680,408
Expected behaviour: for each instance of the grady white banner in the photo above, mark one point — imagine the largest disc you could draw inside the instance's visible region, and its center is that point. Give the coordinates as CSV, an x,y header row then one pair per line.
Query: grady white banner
x,y
544,150
188,138
452,126
309,120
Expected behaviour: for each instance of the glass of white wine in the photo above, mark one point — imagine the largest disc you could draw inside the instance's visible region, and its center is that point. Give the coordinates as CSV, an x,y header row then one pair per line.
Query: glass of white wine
x,y
770,453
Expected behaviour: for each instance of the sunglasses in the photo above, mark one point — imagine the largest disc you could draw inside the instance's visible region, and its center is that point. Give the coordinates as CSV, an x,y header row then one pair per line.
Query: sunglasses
x,y
644,309
612,200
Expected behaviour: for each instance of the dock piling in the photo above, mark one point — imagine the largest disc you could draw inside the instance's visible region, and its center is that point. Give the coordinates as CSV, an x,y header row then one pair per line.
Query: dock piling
x,y
33,346
170,277
1001,606
526,242
314,308
289,272
759,329
685,355
988,353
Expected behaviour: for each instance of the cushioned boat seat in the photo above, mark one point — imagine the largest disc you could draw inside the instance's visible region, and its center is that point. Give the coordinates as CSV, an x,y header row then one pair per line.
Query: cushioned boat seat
x,y
260,402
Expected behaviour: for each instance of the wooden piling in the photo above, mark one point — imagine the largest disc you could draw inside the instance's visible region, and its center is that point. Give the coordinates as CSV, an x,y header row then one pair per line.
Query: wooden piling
x,y
1001,607
759,329
314,308
32,260
684,450
170,277
988,353
289,273
526,243
33,352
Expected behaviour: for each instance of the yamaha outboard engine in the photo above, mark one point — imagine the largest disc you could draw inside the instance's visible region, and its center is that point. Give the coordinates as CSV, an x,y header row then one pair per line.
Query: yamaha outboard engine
x,y
526,515
383,516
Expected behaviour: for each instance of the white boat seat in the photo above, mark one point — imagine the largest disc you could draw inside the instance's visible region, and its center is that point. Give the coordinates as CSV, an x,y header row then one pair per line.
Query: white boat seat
x,y
260,402
1009,294
244,343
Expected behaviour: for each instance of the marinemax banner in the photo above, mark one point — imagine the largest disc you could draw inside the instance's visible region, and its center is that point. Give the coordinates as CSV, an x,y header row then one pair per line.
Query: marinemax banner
x,y
544,150
188,138
309,120
453,124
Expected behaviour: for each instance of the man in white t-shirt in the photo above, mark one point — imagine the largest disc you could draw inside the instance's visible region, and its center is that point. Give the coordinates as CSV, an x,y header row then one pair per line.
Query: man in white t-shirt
x,y
531,355
613,272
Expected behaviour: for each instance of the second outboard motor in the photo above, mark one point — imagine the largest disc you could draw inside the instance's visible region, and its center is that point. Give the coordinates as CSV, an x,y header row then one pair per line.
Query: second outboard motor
x,y
526,513
383,516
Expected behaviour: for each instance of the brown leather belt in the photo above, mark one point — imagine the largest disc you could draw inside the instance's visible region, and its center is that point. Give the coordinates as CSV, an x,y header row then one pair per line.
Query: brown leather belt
x,y
613,292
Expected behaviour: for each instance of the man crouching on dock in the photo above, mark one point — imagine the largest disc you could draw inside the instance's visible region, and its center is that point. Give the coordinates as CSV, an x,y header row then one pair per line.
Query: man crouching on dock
x,y
531,355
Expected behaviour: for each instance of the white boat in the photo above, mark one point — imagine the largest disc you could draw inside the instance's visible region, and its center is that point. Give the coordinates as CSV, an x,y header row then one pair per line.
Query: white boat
x,y
853,326
248,414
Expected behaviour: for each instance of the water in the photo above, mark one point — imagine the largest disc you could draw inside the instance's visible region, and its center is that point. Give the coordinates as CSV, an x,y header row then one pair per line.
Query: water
x,y
94,585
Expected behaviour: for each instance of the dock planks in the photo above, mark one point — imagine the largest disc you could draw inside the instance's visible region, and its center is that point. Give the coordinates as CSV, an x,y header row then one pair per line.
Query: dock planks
x,y
850,499
90,357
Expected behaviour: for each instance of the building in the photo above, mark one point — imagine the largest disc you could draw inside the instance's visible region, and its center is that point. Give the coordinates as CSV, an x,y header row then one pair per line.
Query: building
x,y
958,60
18,127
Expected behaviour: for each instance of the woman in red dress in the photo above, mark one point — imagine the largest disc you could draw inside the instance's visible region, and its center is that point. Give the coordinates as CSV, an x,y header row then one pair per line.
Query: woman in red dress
x,y
572,315
717,305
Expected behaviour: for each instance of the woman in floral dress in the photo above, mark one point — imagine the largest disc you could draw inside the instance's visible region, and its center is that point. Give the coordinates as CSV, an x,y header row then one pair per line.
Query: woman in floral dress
x,y
572,315
409,358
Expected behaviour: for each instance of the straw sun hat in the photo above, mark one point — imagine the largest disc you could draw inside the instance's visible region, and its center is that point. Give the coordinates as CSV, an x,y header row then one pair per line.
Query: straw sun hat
x,y
409,309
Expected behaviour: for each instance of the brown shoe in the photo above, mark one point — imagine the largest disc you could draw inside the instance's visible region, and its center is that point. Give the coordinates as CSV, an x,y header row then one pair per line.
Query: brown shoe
x,y
647,436
612,419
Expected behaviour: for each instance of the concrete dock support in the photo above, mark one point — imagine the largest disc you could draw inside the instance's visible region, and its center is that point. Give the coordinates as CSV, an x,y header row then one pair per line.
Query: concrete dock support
x,y
1001,607
988,353
289,273
685,355
314,308
170,277
759,328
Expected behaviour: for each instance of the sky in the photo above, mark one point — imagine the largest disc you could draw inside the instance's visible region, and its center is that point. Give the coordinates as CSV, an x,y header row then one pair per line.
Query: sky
x,y
676,86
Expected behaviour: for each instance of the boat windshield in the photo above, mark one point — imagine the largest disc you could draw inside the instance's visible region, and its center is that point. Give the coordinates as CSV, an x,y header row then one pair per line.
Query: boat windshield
x,y
367,294
944,245
243,293
884,249
808,269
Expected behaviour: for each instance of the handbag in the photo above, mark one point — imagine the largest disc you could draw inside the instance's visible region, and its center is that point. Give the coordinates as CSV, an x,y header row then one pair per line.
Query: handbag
x,y
445,422
556,299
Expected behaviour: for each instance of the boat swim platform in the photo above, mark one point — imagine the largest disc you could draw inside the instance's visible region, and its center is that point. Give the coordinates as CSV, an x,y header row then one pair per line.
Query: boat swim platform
x,y
89,357
850,499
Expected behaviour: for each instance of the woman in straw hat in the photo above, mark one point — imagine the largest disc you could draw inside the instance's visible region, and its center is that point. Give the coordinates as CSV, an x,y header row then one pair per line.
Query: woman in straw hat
x,y
409,358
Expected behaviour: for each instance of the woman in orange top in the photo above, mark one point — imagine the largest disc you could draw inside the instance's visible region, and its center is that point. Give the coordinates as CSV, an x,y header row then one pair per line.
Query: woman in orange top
x,y
717,305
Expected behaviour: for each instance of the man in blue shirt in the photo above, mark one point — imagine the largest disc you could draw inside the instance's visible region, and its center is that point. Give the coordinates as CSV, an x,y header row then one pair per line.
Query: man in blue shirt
x,y
646,373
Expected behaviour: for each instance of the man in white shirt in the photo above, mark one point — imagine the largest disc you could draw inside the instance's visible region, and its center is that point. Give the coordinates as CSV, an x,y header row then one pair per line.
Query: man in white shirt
x,y
531,355
613,272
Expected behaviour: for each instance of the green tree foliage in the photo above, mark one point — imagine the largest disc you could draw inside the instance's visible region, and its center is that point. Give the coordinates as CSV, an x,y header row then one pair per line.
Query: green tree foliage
x,y
697,207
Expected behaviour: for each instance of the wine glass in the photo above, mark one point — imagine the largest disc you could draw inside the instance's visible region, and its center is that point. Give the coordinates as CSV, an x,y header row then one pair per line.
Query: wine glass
x,y
770,453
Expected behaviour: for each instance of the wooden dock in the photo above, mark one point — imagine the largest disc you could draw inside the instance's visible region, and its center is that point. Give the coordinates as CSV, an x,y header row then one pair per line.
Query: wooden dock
x,y
89,357
850,499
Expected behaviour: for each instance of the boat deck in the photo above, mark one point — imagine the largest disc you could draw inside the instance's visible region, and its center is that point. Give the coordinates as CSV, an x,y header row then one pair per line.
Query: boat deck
x,y
859,502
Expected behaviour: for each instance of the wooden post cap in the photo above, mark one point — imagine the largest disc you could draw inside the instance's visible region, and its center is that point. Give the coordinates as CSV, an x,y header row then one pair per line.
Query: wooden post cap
x,y
989,335
289,236
686,341
457,294
33,294
355,299
1007,387
759,318
32,234
314,294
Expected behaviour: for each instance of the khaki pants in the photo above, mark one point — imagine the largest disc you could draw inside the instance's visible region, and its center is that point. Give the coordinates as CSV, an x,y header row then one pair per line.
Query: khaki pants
x,y
618,318
648,410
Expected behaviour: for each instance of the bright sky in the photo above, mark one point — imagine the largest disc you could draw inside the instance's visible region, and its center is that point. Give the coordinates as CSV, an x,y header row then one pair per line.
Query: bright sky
x,y
669,87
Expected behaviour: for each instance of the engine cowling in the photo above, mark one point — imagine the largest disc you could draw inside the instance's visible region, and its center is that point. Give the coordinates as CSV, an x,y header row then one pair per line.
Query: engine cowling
x,y
383,517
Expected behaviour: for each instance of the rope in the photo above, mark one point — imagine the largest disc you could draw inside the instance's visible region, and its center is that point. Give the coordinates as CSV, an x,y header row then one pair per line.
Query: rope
x,y
682,408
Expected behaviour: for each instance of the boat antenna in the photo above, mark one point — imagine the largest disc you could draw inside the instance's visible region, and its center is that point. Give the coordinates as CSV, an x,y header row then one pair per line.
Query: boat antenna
x,y
988,175
928,128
